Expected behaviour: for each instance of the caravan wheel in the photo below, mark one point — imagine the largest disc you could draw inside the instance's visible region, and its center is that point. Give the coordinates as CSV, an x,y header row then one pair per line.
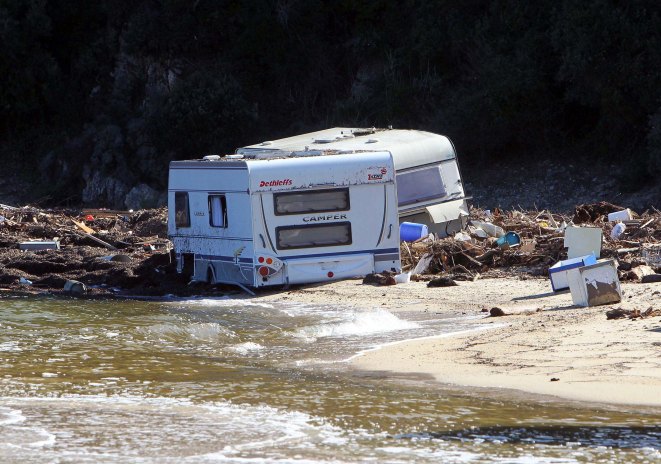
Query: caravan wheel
x,y
210,277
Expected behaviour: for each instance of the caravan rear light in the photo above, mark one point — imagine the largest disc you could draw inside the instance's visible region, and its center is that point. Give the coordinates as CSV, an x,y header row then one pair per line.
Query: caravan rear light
x,y
260,259
263,271
330,274
269,261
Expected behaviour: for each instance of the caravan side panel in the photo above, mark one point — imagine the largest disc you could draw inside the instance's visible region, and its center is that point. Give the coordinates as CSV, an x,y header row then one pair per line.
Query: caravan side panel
x,y
217,236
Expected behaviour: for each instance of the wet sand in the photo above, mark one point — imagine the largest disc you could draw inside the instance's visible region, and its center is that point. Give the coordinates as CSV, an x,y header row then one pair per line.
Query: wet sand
x,y
592,359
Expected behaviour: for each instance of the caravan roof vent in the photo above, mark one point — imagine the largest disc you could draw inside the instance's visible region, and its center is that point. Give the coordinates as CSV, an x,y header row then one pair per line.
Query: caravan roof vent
x,y
234,157
211,158
266,143
325,140
372,141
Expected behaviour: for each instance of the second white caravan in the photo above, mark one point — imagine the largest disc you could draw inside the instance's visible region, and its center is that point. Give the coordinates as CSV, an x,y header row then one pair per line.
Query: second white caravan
x,y
430,189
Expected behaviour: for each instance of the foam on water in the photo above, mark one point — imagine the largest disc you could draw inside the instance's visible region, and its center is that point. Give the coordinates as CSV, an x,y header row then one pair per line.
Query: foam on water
x,y
356,323
247,348
132,428
9,416
196,331
10,346
220,302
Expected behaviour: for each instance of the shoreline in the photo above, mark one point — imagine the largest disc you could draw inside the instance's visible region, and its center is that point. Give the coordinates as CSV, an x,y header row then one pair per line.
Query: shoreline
x,y
595,360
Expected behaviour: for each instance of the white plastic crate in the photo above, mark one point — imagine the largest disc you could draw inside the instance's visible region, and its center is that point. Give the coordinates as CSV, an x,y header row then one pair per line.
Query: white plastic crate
x,y
595,284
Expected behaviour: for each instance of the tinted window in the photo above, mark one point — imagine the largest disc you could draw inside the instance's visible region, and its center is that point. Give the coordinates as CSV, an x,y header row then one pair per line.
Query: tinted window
x,y
311,236
420,185
312,201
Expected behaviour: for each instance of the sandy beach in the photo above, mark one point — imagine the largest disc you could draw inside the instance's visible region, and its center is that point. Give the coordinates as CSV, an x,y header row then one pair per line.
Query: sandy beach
x,y
545,337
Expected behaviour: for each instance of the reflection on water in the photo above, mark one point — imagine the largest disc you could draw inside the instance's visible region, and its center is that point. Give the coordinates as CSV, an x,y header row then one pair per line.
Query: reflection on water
x,y
222,380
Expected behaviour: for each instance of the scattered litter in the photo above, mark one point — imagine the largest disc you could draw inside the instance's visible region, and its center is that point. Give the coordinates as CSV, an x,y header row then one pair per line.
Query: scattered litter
x,y
595,284
37,245
490,229
385,278
651,279
582,241
620,313
462,237
423,264
638,273
558,273
24,281
411,231
623,215
618,229
403,278
651,253
83,227
527,245
75,287
509,240
497,312
442,282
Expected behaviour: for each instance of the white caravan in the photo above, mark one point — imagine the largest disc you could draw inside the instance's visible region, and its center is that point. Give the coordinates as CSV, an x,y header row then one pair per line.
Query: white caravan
x,y
429,186
259,219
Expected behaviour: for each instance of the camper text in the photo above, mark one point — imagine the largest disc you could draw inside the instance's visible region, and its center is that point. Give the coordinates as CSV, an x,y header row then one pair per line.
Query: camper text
x,y
325,217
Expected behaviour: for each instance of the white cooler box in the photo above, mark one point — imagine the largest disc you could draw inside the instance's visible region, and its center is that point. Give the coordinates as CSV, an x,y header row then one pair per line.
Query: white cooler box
x,y
558,272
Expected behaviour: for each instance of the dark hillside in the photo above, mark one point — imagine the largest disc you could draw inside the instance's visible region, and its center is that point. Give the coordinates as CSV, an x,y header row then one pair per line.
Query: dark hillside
x,y
98,97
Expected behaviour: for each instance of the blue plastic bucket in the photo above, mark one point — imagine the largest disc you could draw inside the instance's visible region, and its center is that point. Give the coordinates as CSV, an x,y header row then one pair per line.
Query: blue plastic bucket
x,y
411,231
508,240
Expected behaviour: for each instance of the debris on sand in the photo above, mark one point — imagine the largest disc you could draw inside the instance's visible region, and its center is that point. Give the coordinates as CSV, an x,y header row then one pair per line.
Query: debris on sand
x,y
124,252
542,236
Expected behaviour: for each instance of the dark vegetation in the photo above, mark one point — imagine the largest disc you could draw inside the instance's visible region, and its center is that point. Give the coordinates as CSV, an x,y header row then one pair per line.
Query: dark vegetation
x,y
97,97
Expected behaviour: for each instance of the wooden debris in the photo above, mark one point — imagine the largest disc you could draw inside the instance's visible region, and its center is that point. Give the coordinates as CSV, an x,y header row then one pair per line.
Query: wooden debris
x,y
442,282
652,278
620,313
544,229
99,241
83,227
497,312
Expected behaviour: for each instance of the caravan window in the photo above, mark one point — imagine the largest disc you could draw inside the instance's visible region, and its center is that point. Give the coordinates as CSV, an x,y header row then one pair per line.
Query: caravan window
x,y
420,185
181,211
317,235
314,201
217,211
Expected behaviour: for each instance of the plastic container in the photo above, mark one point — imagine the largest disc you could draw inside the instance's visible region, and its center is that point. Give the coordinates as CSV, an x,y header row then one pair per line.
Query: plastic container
x,y
618,229
403,278
595,284
558,273
624,215
490,229
510,239
412,231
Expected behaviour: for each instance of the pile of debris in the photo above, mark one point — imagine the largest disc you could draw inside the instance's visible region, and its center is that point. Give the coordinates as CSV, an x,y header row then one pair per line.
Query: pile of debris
x,y
530,242
103,251
113,252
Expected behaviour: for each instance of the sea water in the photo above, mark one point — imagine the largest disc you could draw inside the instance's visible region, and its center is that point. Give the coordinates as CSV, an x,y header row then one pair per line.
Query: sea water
x,y
235,380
